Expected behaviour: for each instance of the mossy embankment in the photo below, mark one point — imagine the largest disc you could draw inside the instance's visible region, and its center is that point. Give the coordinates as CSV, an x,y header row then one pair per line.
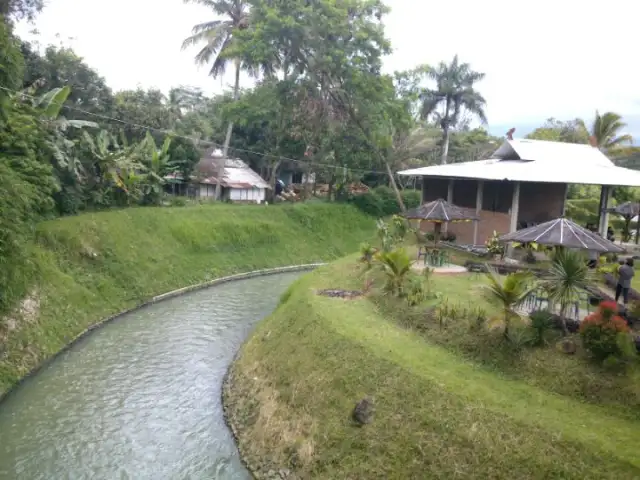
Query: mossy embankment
x,y
95,265
441,411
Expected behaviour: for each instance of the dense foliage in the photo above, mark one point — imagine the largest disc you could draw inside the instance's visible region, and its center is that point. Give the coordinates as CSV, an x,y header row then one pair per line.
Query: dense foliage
x,y
321,106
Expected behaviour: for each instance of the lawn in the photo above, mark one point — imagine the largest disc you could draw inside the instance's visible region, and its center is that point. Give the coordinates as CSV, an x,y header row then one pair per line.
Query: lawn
x,y
445,407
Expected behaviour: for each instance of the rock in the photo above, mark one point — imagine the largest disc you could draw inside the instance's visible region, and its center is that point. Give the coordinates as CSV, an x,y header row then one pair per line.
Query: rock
x,y
284,473
568,346
363,411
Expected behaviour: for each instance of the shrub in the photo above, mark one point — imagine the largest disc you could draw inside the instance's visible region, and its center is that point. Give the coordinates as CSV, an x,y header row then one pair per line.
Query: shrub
x,y
416,292
605,333
367,251
494,247
541,323
381,201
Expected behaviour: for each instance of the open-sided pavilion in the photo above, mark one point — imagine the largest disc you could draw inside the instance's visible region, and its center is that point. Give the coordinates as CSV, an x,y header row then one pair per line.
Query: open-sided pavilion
x,y
524,182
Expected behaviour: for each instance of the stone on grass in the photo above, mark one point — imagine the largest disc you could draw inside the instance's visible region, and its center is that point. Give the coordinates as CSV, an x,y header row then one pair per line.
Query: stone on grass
x,y
568,346
363,411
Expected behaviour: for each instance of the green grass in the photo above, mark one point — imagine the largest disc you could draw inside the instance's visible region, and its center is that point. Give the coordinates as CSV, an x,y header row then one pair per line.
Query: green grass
x,y
443,410
95,265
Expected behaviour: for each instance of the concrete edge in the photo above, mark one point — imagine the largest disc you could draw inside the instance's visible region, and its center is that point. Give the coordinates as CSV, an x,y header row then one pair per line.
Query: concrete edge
x,y
153,300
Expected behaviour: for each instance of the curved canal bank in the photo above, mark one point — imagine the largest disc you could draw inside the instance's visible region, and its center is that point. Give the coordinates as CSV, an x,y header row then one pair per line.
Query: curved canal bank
x,y
139,398
92,266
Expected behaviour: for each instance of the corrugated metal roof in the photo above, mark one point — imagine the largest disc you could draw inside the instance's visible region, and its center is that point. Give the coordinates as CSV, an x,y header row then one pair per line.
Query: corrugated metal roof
x,y
525,160
237,174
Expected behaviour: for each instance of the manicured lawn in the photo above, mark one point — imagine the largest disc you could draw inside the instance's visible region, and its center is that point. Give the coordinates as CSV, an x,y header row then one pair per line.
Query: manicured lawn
x,y
445,406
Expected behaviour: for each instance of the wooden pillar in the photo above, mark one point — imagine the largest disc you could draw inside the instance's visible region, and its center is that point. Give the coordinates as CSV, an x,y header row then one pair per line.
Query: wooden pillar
x,y
449,200
479,194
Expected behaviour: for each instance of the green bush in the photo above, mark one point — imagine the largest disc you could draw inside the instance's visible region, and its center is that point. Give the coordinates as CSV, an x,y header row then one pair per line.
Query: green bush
x,y
541,324
381,201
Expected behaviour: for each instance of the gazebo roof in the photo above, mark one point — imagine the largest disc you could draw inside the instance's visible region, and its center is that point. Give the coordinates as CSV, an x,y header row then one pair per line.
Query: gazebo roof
x,y
440,211
524,160
562,232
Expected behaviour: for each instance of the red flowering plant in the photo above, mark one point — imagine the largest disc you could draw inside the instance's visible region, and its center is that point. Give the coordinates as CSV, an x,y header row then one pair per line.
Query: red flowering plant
x,y
605,333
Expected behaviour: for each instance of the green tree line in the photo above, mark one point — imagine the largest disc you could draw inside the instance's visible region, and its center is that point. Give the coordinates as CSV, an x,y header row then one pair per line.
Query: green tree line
x,y
321,104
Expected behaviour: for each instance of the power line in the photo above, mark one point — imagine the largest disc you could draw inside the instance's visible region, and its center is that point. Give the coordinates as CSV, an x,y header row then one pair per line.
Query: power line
x,y
196,140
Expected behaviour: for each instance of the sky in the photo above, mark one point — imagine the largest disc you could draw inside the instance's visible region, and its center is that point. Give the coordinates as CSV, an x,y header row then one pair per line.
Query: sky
x,y
550,58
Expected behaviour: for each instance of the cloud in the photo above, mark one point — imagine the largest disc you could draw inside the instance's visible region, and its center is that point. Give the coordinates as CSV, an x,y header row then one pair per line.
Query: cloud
x,y
550,58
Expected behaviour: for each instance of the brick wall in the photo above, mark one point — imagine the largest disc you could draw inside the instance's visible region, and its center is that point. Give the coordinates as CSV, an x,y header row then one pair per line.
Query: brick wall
x,y
539,202
489,221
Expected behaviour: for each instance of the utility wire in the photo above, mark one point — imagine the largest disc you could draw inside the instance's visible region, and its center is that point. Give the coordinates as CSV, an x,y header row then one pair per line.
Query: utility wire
x,y
196,140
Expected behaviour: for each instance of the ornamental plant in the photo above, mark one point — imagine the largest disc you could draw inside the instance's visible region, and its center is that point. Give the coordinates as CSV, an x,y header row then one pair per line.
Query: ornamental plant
x,y
494,247
605,333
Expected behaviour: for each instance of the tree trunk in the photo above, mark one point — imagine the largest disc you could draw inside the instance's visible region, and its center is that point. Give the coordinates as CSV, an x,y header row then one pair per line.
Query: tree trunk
x,y
445,146
273,177
565,329
227,138
332,181
507,321
373,148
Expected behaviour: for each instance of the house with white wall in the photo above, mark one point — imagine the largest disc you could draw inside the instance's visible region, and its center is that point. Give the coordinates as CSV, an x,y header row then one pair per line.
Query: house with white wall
x,y
236,181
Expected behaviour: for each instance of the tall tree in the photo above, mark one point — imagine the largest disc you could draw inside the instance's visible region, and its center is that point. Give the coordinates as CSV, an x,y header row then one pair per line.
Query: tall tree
x,y
14,10
218,38
571,131
606,134
62,67
338,46
453,95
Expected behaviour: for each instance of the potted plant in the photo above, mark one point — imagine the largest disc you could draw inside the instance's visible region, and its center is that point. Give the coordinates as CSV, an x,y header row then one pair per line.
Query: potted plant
x,y
494,247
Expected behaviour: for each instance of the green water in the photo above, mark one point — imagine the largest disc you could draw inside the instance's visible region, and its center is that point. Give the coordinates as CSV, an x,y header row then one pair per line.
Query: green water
x,y
140,397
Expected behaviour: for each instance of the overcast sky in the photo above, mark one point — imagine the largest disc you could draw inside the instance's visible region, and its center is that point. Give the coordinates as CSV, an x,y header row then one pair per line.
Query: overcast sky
x,y
548,58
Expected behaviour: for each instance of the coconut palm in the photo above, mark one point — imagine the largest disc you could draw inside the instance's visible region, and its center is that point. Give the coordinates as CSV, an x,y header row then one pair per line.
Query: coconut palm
x,y
216,36
454,95
606,133
510,292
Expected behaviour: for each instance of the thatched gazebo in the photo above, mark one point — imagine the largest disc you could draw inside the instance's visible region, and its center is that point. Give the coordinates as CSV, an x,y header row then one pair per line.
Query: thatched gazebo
x,y
628,211
562,232
438,212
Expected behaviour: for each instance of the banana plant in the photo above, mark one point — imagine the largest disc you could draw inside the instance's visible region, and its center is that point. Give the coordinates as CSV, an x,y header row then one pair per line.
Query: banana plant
x,y
63,149
156,161
113,163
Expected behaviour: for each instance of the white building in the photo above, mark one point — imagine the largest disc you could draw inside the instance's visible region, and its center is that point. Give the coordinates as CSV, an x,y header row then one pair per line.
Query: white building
x,y
524,181
237,183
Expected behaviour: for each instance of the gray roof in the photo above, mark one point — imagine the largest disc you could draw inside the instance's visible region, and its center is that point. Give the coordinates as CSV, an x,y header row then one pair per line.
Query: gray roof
x,y
565,233
235,174
440,211
627,209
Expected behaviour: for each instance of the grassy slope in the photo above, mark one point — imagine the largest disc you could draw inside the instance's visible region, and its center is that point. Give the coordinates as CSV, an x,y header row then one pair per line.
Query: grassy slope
x,y
438,415
142,252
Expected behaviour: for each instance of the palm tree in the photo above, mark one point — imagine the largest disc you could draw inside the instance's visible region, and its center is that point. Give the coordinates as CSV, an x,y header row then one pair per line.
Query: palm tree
x,y
396,266
567,278
510,293
454,94
605,134
217,37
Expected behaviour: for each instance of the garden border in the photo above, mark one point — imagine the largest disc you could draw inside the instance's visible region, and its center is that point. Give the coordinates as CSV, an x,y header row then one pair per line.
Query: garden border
x,y
154,300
